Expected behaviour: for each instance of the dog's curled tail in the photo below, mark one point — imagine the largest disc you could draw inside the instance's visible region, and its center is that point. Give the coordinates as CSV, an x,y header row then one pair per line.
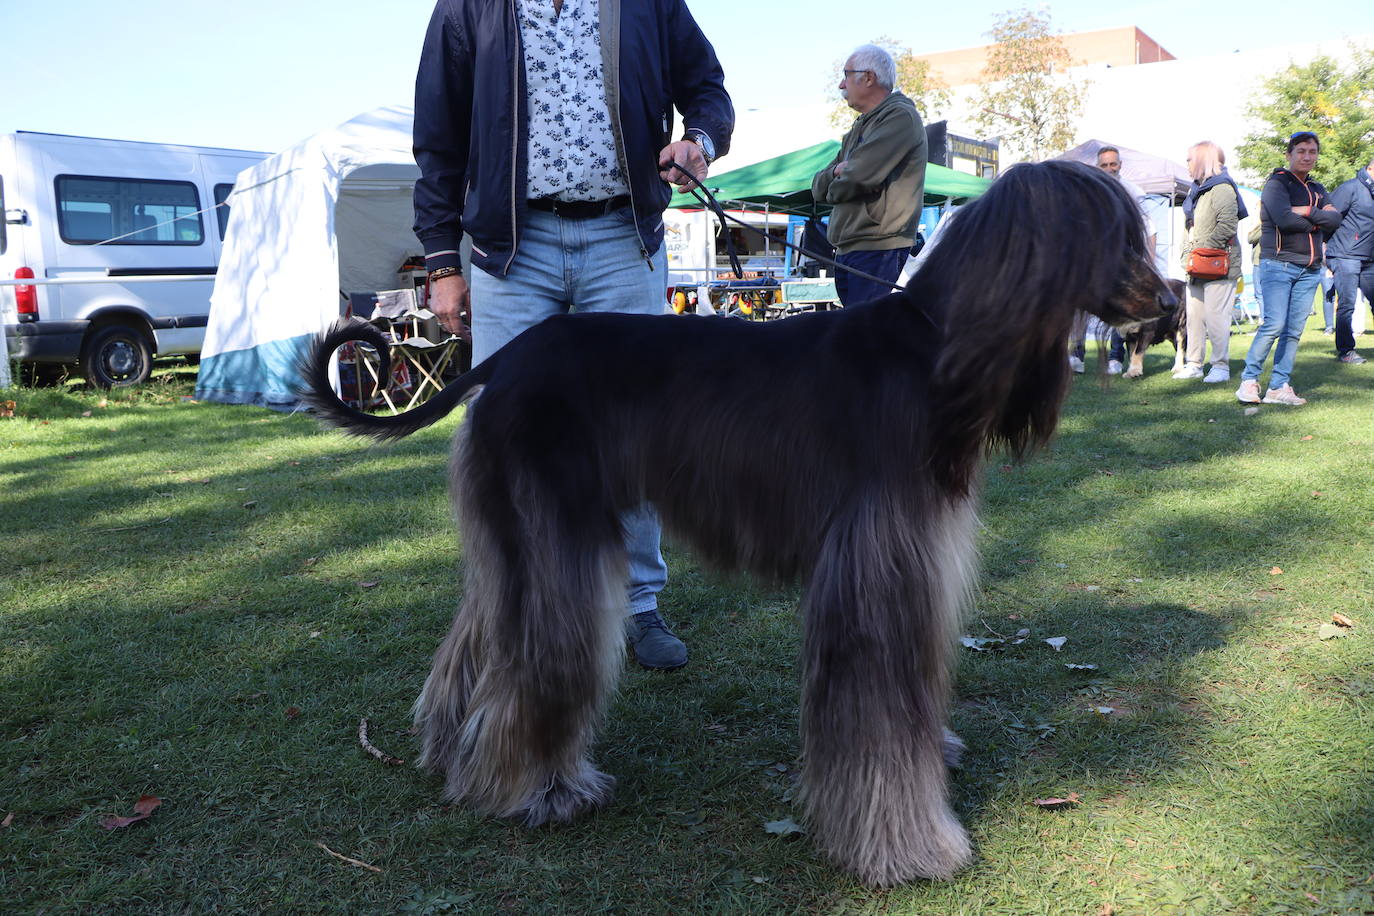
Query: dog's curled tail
x,y
317,391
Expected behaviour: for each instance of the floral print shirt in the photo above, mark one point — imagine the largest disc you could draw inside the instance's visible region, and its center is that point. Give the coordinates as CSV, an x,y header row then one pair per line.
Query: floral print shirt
x,y
571,149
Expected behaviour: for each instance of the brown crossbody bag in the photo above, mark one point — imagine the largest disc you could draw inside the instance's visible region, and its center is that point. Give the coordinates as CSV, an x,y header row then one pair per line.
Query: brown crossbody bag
x,y
1208,264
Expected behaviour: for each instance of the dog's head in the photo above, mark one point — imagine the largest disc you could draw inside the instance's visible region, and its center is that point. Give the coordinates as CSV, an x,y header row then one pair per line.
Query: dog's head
x,y
1126,291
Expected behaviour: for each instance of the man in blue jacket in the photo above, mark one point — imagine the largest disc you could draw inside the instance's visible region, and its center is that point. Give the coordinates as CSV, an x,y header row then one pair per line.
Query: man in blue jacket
x,y
544,131
1350,255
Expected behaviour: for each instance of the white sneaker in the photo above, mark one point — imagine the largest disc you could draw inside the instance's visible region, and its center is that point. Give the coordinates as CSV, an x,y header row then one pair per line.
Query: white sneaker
x,y
1284,395
1188,372
1217,374
1248,392
1114,367
1076,364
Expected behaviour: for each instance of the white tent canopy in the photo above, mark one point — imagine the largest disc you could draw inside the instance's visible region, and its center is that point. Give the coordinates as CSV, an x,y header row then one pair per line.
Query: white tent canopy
x,y
332,213
1152,174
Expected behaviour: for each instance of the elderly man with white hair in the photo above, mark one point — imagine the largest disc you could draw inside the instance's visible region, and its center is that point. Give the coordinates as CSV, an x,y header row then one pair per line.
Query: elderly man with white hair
x,y
876,183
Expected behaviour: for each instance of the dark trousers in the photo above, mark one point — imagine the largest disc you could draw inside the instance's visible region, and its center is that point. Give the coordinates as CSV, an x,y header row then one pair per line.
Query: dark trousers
x,y
1078,336
854,290
1350,275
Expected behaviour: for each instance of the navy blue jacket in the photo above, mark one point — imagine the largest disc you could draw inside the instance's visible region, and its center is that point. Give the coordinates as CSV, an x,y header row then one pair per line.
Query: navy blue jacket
x,y
1355,239
470,119
1287,236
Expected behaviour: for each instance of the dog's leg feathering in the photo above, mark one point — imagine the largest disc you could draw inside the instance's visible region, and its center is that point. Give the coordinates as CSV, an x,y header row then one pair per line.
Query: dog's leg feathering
x,y
511,704
880,613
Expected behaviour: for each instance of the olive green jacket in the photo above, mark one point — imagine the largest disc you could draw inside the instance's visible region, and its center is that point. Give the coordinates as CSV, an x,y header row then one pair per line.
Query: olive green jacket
x,y
1214,226
878,195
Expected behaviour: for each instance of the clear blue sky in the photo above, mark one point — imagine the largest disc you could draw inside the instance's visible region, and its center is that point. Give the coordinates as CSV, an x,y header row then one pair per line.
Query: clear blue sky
x,y
262,74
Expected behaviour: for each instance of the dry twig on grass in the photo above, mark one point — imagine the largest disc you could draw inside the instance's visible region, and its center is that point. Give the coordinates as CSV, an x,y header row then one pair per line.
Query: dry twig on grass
x,y
367,746
354,862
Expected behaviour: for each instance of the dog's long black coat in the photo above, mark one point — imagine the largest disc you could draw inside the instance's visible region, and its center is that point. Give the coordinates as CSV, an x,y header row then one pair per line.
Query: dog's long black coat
x,y
841,449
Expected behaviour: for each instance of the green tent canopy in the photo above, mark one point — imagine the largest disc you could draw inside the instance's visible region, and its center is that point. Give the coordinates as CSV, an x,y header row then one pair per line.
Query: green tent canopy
x,y
784,182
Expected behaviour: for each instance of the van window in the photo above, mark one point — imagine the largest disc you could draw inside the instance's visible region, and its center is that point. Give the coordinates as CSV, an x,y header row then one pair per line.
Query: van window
x,y
221,208
128,211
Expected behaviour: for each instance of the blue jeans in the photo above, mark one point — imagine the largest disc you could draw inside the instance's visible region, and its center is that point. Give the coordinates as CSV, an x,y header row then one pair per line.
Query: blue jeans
x,y
1117,343
579,265
1351,275
1288,290
854,290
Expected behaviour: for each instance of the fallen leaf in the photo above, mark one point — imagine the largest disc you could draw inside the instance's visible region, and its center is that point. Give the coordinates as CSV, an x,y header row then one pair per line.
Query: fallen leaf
x,y
978,643
1341,620
143,809
1022,633
1331,631
250,504
1074,667
85,413
1306,438
1057,642
1250,411
367,584
1316,493
1068,801
1106,909
1275,571
1104,710
9,819
784,827
292,712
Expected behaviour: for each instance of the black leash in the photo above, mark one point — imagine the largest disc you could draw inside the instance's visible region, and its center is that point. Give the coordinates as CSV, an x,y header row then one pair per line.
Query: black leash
x,y
714,206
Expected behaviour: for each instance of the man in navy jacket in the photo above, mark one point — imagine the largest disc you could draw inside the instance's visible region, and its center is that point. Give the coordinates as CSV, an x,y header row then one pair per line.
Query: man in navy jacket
x,y
544,131
1350,254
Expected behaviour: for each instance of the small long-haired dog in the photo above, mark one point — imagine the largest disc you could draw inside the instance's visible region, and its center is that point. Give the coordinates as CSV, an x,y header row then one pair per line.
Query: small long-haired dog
x,y
1170,326
863,429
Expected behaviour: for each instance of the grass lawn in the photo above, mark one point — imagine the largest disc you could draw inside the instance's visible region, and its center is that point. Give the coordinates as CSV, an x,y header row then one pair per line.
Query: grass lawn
x,y
199,602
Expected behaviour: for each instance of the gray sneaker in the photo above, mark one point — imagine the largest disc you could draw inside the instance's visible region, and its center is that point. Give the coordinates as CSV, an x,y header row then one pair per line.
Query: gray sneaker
x,y
1351,358
656,648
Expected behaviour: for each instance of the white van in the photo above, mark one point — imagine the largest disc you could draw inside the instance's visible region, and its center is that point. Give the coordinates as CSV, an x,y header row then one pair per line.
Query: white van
x,y
79,210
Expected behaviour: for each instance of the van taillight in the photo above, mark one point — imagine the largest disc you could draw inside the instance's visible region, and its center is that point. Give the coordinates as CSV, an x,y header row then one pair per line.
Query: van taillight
x,y
26,296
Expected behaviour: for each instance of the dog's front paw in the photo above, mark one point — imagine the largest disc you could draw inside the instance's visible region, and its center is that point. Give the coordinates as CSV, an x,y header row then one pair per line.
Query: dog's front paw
x,y
1133,372
566,797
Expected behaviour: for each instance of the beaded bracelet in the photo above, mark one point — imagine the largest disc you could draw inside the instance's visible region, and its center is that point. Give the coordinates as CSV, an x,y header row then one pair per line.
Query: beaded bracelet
x,y
439,273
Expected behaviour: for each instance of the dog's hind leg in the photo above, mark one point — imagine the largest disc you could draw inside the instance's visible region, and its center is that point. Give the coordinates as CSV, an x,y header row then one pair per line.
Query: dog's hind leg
x,y
517,688
880,612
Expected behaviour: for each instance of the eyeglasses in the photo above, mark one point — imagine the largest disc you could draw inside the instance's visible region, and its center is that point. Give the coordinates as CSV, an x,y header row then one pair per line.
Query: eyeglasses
x,y
847,72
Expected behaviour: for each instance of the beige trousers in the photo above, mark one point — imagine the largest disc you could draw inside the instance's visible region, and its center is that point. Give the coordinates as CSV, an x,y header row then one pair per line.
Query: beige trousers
x,y
1209,319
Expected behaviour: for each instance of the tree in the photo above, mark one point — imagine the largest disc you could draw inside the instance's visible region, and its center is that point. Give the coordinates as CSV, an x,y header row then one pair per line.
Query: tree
x,y
1025,95
914,80
1334,101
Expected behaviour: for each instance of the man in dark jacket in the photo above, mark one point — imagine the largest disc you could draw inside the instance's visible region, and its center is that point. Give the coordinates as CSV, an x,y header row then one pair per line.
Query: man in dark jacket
x,y
1350,254
544,130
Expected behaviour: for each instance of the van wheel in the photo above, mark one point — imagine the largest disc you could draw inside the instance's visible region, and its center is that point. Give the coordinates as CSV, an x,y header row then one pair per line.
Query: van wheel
x,y
116,356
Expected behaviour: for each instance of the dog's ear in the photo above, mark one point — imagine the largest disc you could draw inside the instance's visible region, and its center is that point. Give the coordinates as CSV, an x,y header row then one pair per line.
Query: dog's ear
x,y
1045,241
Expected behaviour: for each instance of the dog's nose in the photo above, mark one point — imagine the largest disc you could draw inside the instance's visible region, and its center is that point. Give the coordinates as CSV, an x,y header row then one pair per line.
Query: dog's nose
x,y
1167,300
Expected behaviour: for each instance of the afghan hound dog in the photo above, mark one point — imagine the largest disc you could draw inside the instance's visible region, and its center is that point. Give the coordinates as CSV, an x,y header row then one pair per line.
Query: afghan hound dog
x,y
838,449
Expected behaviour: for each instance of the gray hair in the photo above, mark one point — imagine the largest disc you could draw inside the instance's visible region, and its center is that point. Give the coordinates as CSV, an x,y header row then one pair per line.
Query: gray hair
x,y
877,61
